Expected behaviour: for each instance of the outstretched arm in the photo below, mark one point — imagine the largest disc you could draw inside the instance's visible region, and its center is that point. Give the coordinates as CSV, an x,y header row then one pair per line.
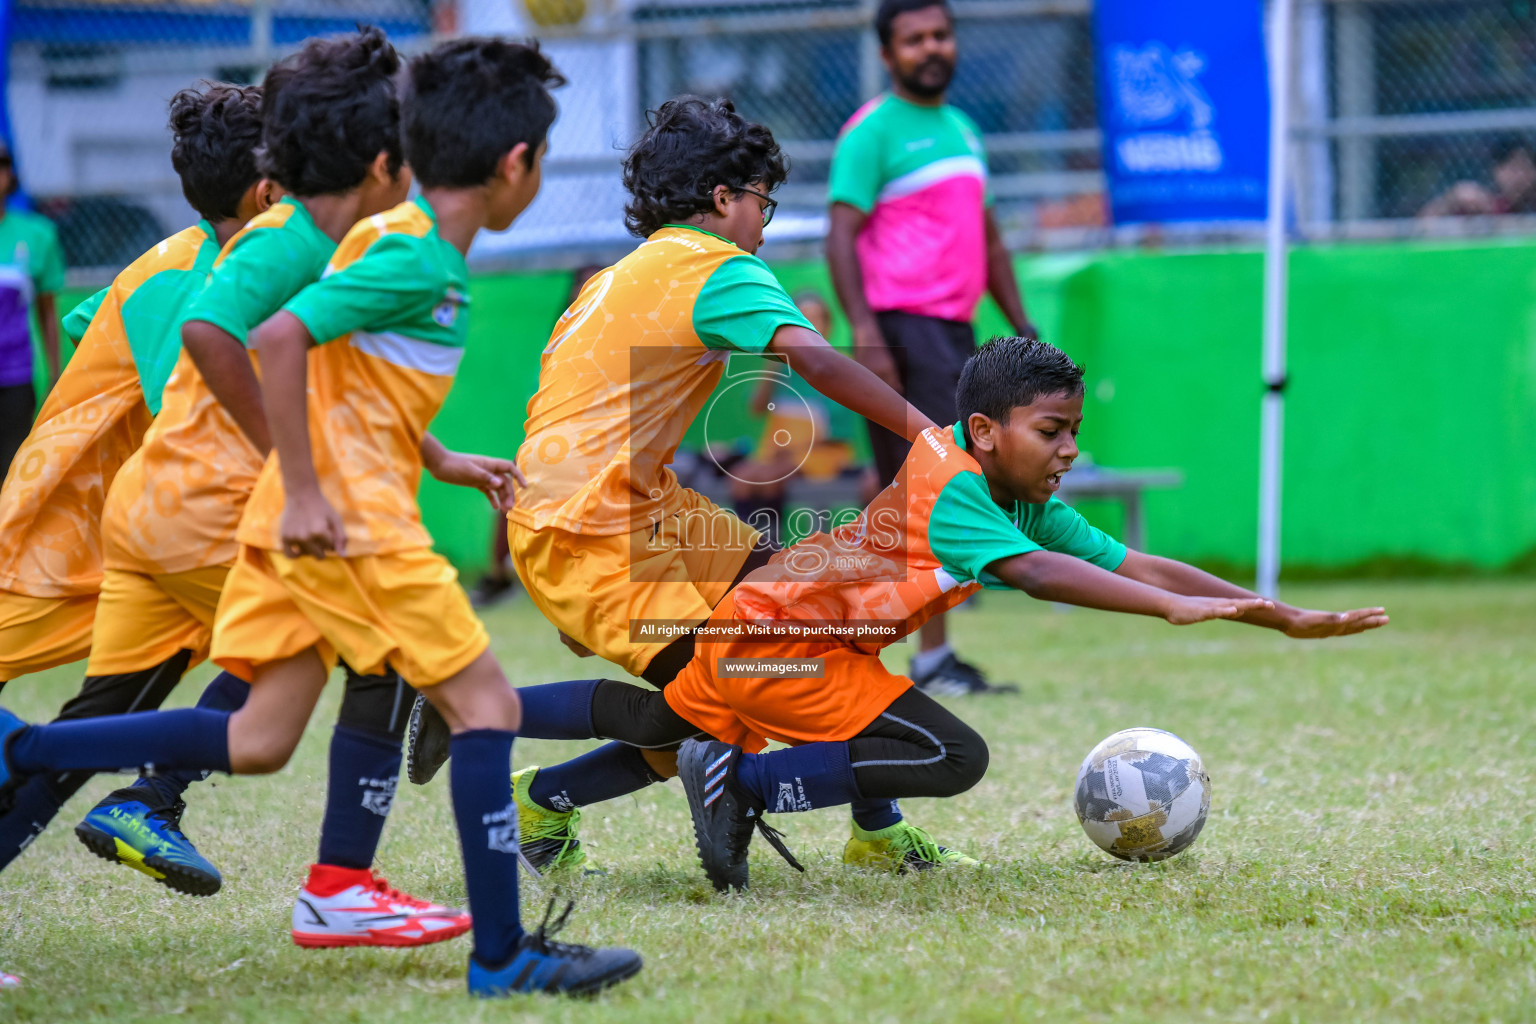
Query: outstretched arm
x,y
1050,576
845,382
227,370
310,526
1301,623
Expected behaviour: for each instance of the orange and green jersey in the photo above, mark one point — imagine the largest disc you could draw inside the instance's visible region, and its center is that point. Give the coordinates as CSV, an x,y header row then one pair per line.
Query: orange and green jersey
x,y
390,319
628,368
127,337
178,501
920,548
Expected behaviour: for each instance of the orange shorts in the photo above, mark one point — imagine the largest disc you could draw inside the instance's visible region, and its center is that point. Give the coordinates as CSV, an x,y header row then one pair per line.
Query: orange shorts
x,y
43,632
854,688
404,609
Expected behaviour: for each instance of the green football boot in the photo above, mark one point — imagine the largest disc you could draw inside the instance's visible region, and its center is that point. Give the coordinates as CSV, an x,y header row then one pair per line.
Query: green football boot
x,y
548,838
901,847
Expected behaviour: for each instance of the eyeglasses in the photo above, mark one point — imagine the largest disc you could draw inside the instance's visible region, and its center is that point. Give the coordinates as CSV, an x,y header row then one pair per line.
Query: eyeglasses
x,y
769,208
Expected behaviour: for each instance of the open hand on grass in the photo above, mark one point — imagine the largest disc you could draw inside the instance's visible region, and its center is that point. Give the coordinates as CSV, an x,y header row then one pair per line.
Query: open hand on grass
x,y
1314,625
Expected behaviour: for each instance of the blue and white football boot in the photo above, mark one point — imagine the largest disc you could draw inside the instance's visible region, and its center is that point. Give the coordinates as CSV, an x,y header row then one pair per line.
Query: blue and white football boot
x,y
132,827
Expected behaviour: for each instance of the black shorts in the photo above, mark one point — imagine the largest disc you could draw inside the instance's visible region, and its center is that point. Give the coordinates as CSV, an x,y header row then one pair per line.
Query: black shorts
x,y
929,355
18,405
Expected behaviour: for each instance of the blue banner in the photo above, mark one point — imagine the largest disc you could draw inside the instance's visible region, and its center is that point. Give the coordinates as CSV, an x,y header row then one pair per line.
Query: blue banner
x,y
5,70
1184,107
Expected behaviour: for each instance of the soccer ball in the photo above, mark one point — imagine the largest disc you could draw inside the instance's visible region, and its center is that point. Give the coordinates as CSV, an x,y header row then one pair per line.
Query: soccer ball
x,y
1142,794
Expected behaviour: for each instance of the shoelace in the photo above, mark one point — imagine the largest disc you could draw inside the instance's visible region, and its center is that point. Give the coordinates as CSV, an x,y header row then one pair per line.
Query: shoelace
x,y
539,940
774,838
920,843
170,818
383,888
562,829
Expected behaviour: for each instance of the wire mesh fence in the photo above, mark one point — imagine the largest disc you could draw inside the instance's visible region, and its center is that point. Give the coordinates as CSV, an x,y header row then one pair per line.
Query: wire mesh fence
x,y
1412,116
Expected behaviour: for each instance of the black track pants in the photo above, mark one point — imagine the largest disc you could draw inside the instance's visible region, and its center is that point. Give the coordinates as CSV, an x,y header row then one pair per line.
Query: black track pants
x,y
915,747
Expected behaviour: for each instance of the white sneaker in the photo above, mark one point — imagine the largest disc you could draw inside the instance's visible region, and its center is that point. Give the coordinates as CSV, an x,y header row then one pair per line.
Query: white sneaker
x,y
9,980
355,907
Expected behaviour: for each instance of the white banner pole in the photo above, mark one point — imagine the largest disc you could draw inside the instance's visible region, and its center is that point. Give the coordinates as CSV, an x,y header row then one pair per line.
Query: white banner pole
x,y
1272,416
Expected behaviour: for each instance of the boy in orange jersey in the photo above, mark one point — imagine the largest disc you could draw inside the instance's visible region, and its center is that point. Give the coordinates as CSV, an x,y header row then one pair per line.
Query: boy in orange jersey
x,y
604,538
334,561
973,506
127,339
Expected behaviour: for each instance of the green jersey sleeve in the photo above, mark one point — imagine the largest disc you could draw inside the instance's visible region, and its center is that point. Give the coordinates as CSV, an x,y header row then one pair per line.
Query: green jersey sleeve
x,y
1057,526
742,305
855,177
79,318
967,531
265,269
395,284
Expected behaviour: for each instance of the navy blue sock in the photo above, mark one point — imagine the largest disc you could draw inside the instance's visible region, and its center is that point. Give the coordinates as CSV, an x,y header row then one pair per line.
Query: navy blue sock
x,y
364,769
225,693
558,711
37,802
480,776
612,770
799,778
185,738
874,815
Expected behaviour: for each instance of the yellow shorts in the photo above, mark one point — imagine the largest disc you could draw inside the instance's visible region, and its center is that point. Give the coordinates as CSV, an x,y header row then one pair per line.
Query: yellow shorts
x,y
143,620
43,632
593,587
404,609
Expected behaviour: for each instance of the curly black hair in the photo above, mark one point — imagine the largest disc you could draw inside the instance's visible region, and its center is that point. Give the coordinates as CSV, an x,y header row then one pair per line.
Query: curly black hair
x,y
329,111
470,101
215,129
693,145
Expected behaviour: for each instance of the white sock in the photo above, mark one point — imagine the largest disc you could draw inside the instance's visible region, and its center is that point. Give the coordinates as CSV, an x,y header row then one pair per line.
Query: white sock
x,y
924,662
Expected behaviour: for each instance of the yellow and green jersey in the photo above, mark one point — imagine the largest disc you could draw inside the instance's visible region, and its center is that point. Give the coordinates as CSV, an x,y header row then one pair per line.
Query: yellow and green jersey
x,y
628,368
179,499
391,319
95,418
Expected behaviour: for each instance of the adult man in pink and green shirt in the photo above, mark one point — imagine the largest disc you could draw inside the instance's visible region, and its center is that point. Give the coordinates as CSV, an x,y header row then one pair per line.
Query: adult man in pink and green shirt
x,y
912,247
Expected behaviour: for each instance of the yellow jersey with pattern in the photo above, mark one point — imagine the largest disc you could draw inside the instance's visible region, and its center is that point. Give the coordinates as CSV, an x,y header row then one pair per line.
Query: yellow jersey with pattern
x,y
95,417
390,318
628,368
178,501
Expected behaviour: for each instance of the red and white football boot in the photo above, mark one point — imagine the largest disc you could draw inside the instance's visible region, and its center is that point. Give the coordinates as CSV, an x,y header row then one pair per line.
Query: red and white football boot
x,y
355,907
9,980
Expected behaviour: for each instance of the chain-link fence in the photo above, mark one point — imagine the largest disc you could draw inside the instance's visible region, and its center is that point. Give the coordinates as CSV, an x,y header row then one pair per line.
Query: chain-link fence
x,y
1411,115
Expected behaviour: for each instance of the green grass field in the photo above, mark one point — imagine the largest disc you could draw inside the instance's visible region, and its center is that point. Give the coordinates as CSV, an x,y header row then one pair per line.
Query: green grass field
x,y
1368,855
